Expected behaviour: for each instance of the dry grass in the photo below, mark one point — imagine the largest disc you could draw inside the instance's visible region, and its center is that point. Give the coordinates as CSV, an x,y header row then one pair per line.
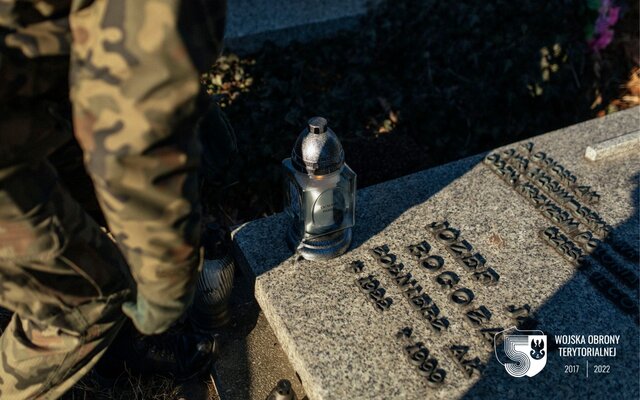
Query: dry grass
x,y
630,94
130,387
127,387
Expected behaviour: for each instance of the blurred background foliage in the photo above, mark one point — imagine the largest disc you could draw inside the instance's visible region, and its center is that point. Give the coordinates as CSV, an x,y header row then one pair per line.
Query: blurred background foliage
x,y
421,83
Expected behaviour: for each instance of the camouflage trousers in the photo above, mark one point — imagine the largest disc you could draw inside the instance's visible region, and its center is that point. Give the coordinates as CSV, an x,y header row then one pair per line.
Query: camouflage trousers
x,y
134,98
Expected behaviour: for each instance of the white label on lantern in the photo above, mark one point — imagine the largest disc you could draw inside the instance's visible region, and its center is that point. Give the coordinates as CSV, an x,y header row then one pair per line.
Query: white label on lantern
x,y
328,210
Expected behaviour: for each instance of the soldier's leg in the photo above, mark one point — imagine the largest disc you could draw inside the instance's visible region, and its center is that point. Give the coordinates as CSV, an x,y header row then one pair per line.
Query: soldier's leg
x,y
68,162
35,41
63,278
43,362
136,97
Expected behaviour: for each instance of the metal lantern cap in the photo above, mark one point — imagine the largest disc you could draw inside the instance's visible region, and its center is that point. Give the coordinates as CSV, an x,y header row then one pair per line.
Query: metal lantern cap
x,y
317,150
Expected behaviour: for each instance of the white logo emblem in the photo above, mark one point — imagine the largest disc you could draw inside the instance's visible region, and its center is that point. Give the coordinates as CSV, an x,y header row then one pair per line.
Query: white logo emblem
x,y
524,352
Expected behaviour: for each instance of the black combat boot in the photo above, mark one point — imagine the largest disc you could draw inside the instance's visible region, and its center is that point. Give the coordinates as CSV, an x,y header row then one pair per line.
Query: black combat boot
x,y
178,355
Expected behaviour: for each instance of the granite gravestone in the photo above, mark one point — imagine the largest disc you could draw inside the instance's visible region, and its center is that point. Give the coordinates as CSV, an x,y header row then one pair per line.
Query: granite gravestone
x,y
252,22
533,236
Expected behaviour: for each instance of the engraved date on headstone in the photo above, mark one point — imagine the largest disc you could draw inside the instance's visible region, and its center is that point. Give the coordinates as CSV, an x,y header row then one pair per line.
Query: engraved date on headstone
x,y
356,266
419,356
375,293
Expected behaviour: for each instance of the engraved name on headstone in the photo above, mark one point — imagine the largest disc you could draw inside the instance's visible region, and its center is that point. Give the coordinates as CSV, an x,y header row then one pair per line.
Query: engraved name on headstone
x,y
525,170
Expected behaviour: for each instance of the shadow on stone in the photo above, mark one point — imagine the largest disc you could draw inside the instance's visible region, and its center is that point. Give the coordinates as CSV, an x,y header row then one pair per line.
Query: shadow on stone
x,y
565,314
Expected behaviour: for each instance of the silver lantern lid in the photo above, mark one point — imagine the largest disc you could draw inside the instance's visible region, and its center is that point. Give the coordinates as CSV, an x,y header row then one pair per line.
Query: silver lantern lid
x,y
317,150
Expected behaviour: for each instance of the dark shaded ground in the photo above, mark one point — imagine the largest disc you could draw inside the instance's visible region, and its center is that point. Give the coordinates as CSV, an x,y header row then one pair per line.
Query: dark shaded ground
x,y
249,365
419,84
251,361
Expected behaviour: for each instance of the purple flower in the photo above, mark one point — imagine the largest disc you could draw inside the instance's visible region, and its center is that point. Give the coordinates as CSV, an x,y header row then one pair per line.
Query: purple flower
x,y
614,13
608,16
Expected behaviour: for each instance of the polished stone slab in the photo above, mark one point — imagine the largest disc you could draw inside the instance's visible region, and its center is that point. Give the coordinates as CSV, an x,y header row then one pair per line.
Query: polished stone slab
x,y
252,22
343,346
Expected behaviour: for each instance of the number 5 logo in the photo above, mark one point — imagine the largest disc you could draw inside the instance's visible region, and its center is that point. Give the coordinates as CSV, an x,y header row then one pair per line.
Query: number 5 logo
x,y
523,352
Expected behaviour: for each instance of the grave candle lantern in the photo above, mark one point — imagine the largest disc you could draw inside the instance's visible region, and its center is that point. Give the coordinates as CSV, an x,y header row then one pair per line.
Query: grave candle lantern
x,y
319,194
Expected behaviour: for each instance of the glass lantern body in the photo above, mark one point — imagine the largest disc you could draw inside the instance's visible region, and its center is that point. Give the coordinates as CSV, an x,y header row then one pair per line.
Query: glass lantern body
x,y
319,204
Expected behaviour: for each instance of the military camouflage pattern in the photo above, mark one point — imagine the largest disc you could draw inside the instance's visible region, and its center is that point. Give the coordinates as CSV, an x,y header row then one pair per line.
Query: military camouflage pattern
x,y
135,99
38,27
